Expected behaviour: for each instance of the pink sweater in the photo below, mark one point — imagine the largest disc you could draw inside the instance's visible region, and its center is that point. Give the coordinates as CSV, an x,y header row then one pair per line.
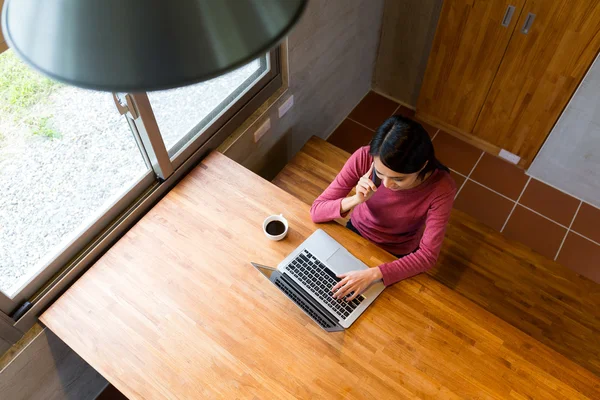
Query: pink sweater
x,y
395,220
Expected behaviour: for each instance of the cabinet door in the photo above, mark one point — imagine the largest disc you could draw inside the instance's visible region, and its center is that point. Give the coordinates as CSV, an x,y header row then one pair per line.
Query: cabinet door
x,y
470,40
539,73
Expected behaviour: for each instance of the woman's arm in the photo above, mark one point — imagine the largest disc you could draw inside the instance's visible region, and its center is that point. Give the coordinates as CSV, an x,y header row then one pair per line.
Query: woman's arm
x,y
333,203
355,282
429,248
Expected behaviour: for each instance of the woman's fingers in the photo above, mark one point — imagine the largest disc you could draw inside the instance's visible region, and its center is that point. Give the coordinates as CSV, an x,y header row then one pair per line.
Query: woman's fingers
x,y
363,188
355,294
372,185
352,285
367,184
339,285
341,292
364,192
370,171
346,288
339,288
343,288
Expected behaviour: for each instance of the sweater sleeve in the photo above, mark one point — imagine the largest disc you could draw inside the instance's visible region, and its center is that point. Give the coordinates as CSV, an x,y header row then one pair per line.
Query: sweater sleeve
x,y
327,206
426,255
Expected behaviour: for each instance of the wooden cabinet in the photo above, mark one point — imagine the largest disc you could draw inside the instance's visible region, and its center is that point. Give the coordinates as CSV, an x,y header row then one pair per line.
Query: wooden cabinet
x,y
539,74
505,89
469,43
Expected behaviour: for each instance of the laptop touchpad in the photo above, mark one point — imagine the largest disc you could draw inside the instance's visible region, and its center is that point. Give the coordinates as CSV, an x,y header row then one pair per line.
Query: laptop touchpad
x,y
341,261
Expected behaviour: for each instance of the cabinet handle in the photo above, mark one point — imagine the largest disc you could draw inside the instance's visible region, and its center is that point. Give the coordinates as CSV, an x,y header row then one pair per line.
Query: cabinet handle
x,y
510,10
528,23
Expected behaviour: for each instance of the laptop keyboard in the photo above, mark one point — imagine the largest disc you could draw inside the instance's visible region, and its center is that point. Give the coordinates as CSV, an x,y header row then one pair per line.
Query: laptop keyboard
x,y
319,280
305,305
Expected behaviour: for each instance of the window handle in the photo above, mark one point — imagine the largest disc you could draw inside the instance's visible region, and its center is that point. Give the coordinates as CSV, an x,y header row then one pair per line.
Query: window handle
x,y
528,23
126,105
510,10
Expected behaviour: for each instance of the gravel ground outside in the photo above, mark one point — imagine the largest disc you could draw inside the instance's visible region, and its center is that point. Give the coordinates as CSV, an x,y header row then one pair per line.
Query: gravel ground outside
x,y
56,182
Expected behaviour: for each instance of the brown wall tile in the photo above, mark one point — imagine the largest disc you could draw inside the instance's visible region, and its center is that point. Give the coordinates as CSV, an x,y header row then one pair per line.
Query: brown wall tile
x,y
458,179
552,203
430,129
408,113
500,176
455,153
350,136
587,222
373,110
483,204
582,256
535,231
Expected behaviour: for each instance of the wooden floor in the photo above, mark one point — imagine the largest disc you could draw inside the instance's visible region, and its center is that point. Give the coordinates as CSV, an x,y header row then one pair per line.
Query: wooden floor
x,y
542,298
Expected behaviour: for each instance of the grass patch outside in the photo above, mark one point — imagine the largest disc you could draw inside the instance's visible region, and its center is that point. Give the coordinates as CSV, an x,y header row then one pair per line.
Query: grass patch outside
x,y
41,126
21,88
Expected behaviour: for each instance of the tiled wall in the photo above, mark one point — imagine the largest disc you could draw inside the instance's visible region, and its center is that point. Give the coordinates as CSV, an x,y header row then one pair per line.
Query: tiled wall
x,y
497,193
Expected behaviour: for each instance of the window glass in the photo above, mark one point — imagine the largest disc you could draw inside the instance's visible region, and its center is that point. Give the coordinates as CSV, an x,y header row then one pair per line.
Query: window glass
x,y
184,112
65,156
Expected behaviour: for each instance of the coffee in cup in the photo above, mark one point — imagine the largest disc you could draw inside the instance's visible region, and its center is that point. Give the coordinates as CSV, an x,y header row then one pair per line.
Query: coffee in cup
x,y
275,227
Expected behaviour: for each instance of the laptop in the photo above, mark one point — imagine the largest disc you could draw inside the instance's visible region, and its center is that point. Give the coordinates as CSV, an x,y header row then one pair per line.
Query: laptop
x,y
308,274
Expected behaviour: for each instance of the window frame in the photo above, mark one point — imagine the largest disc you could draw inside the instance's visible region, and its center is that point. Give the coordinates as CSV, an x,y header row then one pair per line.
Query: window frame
x,y
3,45
42,289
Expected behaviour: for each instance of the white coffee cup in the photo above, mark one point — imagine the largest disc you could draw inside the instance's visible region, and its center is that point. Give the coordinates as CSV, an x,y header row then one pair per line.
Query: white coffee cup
x,y
279,218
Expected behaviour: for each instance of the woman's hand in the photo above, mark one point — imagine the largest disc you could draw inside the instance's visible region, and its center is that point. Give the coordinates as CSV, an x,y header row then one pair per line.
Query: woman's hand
x,y
355,282
364,190
365,187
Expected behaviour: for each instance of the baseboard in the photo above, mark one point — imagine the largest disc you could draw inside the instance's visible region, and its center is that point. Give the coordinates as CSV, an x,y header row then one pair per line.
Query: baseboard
x,y
465,137
411,107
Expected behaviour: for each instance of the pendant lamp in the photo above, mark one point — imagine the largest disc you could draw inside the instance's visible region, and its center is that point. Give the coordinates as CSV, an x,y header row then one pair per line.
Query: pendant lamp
x,y
144,45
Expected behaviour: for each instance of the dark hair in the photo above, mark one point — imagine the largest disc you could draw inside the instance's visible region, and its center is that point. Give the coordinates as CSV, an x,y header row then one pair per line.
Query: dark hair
x,y
404,147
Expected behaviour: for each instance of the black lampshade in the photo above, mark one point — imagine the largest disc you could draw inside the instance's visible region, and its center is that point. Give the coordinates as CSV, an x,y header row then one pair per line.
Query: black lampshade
x,y
142,45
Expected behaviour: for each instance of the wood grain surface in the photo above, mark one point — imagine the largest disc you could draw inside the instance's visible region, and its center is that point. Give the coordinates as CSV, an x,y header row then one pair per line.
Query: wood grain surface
x,y
467,49
175,311
539,74
542,298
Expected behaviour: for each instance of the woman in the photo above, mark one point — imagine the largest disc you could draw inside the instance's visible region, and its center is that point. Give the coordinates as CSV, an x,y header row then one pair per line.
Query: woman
x,y
406,216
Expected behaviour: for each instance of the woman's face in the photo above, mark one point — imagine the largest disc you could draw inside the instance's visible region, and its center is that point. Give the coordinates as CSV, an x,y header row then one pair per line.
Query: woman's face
x,y
394,180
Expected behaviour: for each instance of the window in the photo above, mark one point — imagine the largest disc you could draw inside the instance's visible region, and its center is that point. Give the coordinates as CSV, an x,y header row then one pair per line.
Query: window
x,y
74,161
65,155
183,113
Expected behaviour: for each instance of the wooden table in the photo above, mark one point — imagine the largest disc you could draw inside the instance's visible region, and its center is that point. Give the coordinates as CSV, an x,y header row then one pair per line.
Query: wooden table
x,y
175,311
